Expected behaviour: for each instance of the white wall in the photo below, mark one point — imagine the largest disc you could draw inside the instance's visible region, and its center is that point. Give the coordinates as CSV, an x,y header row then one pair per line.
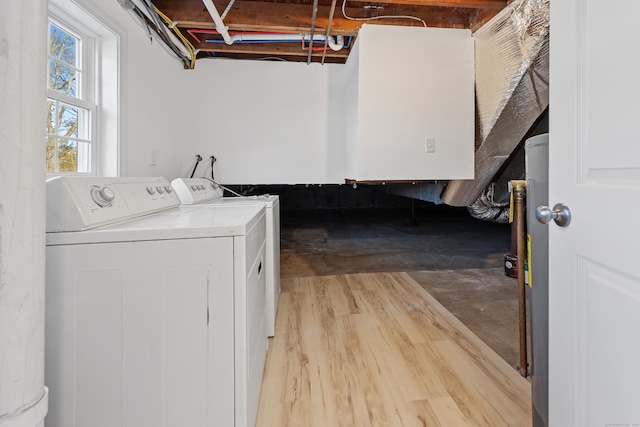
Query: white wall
x,y
413,83
150,98
147,80
265,122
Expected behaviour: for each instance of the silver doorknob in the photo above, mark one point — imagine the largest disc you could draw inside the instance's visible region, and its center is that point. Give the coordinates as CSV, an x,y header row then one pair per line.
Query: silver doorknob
x,y
560,214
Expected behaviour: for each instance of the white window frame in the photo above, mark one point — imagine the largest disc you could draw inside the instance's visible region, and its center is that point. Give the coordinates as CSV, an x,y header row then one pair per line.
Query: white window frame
x,y
103,50
86,92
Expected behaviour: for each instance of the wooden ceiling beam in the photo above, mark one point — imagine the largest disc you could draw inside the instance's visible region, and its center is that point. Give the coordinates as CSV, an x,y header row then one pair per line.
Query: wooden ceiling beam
x,y
296,18
470,4
482,17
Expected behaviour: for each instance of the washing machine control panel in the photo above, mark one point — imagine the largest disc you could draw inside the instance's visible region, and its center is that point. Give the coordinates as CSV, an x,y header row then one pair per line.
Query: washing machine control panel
x,y
192,191
77,203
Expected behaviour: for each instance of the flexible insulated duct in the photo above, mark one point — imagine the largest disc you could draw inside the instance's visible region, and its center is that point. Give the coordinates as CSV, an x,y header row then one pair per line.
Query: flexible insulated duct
x,y
490,207
512,89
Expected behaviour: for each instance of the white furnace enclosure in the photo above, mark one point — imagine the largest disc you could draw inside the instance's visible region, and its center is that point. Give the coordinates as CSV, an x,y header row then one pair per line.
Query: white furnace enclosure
x,y
410,104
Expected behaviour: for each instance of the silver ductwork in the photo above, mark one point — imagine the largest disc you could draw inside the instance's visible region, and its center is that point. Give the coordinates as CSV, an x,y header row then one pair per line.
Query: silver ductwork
x,y
512,90
492,206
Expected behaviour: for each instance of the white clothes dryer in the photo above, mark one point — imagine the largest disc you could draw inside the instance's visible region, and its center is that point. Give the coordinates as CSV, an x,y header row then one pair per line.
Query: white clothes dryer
x,y
155,313
200,191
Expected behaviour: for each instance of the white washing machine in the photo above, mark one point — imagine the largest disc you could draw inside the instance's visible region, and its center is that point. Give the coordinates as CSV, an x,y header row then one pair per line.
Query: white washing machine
x,y
155,313
201,191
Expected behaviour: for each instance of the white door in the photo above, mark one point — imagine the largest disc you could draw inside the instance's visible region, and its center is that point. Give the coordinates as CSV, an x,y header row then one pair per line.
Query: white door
x,y
594,263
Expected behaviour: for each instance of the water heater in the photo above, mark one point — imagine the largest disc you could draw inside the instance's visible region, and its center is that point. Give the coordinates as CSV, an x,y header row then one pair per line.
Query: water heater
x,y
537,174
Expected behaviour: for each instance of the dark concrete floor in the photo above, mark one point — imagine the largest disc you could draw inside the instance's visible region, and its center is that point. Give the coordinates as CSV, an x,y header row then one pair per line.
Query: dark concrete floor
x,y
456,258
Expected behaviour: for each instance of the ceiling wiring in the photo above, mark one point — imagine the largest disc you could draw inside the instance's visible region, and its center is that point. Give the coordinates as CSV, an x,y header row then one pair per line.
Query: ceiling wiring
x,y
162,31
174,27
149,20
329,18
415,18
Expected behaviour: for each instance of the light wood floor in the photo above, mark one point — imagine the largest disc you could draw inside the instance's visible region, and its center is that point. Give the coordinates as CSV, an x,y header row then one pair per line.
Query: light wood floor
x,y
377,350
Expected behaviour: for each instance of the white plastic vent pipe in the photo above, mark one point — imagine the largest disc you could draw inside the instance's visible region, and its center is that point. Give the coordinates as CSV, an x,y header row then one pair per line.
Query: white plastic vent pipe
x,y
23,53
217,19
334,43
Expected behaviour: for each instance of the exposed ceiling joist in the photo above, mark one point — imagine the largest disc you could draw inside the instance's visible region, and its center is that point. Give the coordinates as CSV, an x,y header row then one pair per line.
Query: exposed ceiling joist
x,y
295,17
473,4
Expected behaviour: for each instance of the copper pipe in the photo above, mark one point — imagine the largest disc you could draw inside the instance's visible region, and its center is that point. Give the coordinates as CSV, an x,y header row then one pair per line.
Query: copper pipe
x,y
326,36
520,190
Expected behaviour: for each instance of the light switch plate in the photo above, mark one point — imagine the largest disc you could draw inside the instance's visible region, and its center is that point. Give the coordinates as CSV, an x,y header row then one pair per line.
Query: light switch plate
x,y
430,145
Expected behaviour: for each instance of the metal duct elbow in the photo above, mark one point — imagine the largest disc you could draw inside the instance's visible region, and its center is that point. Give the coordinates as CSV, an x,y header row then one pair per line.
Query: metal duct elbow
x,y
487,207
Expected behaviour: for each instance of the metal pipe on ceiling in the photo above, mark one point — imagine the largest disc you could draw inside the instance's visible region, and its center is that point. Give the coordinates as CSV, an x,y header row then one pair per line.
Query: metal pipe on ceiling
x,y
326,35
313,29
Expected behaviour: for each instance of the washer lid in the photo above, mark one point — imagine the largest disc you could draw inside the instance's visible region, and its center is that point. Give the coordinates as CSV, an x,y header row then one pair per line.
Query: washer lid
x,y
185,222
269,200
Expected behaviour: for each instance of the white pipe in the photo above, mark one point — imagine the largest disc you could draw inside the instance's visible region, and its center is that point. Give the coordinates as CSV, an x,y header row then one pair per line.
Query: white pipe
x,y
217,19
23,396
229,39
335,44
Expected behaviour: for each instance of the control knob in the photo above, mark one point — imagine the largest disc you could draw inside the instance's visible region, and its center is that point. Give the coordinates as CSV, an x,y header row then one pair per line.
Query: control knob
x,y
103,196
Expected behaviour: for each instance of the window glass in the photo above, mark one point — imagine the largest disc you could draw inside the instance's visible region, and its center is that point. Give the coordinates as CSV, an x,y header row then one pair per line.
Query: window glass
x,y
83,106
64,65
68,147
68,133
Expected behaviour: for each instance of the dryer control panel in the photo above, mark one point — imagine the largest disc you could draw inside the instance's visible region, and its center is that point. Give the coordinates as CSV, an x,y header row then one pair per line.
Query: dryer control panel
x,y
77,203
192,191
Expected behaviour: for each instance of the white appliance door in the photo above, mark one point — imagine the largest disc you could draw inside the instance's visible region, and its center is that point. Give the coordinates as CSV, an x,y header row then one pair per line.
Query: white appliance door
x,y
140,334
594,150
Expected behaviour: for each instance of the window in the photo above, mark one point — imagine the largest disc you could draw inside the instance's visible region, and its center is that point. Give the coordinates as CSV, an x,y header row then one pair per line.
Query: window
x,y
83,90
70,106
